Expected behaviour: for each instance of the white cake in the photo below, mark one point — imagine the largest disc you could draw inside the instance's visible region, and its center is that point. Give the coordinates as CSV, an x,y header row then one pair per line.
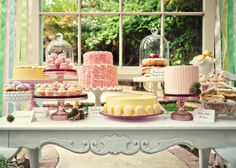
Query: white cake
x,y
179,79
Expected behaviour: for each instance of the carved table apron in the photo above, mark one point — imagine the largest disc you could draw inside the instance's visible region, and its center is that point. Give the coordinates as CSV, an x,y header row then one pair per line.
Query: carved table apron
x,y
102,136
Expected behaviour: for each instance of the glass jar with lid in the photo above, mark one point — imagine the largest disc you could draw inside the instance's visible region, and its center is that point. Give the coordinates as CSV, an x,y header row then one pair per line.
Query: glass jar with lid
x,y
59,46
153,54
154,47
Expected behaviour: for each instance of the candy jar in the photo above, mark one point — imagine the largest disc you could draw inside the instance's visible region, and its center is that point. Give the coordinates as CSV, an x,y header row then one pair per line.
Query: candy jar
x,y
60,46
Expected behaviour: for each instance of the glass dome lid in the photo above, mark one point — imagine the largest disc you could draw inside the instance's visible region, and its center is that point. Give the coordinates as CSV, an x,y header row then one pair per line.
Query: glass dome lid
x,y
154,46
58,46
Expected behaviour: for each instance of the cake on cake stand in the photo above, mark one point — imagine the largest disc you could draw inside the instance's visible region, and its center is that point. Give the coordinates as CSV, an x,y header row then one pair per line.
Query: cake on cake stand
x,y
61,113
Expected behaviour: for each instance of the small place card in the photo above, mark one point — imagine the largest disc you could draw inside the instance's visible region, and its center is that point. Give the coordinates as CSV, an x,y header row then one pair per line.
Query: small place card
x,y
41,112
204,115
24,116
95,110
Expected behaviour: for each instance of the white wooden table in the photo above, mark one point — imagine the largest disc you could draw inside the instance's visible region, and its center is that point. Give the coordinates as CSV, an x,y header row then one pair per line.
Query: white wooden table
x,y
103,135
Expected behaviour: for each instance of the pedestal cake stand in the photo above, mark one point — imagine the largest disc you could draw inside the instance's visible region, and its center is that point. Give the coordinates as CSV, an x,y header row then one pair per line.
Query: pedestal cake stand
x,y
61,113
99,90
16,97
153,80
32,84
181,114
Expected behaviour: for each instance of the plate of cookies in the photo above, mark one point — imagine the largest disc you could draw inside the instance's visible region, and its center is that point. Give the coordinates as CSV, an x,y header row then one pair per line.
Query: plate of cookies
x,y
222,100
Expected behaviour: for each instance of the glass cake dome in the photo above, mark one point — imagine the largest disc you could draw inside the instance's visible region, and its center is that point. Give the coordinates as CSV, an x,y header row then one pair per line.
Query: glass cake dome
x,y
154,46
58,46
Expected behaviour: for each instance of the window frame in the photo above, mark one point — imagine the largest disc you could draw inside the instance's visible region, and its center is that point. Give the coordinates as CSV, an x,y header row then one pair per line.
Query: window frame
x,y
126,72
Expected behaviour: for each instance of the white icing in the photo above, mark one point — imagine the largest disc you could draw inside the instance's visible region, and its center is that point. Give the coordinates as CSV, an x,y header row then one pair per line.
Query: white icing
x,y
117,110
149,110
128,110
139,110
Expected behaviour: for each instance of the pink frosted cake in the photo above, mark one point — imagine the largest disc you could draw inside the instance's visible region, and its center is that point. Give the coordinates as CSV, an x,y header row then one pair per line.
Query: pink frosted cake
x,y
98,70
179,79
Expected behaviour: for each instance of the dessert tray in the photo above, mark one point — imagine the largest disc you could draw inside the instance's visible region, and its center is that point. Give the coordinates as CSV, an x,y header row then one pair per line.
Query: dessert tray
x,y
17,96
227,109
131,117
56,98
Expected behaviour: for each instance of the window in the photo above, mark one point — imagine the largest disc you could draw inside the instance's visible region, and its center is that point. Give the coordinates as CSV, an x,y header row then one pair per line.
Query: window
x,y
120,25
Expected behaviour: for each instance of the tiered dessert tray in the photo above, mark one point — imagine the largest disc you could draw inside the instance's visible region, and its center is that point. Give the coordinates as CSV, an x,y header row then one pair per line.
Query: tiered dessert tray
x,y
154,80
181,114
60,114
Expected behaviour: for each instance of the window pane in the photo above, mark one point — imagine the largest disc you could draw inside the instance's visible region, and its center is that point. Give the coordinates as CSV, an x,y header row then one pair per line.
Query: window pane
x,y
67,25
100,5
185,36
60,5
141,5
183,5
135,28
101,33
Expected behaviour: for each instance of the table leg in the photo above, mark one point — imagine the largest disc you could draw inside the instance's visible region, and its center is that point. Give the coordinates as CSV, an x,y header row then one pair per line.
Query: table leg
x,y
34,157
204,157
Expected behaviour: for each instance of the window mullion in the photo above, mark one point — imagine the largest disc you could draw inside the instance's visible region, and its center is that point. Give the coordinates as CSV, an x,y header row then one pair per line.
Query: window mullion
x,y
79,33
162,27
120,35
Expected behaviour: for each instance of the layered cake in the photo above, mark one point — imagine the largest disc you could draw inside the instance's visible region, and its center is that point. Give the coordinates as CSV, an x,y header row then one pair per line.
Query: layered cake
x,y
179,79
132,105
29,72
98,70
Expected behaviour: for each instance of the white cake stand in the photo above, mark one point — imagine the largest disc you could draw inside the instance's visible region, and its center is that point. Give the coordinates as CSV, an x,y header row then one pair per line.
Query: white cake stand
x,y
99,90
154,80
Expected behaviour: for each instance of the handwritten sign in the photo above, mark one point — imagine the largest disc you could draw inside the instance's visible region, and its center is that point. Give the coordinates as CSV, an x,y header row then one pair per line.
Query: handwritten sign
x,y
204,115
24,116
41,112
95,110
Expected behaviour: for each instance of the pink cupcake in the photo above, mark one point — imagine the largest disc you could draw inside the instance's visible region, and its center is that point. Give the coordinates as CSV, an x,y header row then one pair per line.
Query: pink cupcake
x,y
64,66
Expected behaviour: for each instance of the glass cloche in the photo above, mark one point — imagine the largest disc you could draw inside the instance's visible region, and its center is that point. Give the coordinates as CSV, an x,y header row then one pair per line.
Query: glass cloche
x,y
59,46
154,50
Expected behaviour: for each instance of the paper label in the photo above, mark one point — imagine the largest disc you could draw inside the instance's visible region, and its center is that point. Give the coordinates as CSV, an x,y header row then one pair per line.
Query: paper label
x,y
24,116
41,112
204,115
95,110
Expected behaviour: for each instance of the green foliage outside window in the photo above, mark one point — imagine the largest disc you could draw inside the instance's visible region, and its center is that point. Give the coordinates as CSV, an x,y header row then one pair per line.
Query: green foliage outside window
x,y
102,32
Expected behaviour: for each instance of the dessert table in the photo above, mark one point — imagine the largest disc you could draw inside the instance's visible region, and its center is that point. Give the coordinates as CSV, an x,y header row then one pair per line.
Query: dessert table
x,y
104,135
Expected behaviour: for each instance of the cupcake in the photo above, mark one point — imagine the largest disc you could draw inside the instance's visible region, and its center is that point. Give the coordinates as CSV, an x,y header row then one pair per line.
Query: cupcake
x,y
40,91
64,66
49,91
61,92
71,91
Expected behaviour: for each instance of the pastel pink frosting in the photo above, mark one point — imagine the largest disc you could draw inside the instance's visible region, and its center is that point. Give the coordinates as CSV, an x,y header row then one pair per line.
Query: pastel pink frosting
x,y
98,70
